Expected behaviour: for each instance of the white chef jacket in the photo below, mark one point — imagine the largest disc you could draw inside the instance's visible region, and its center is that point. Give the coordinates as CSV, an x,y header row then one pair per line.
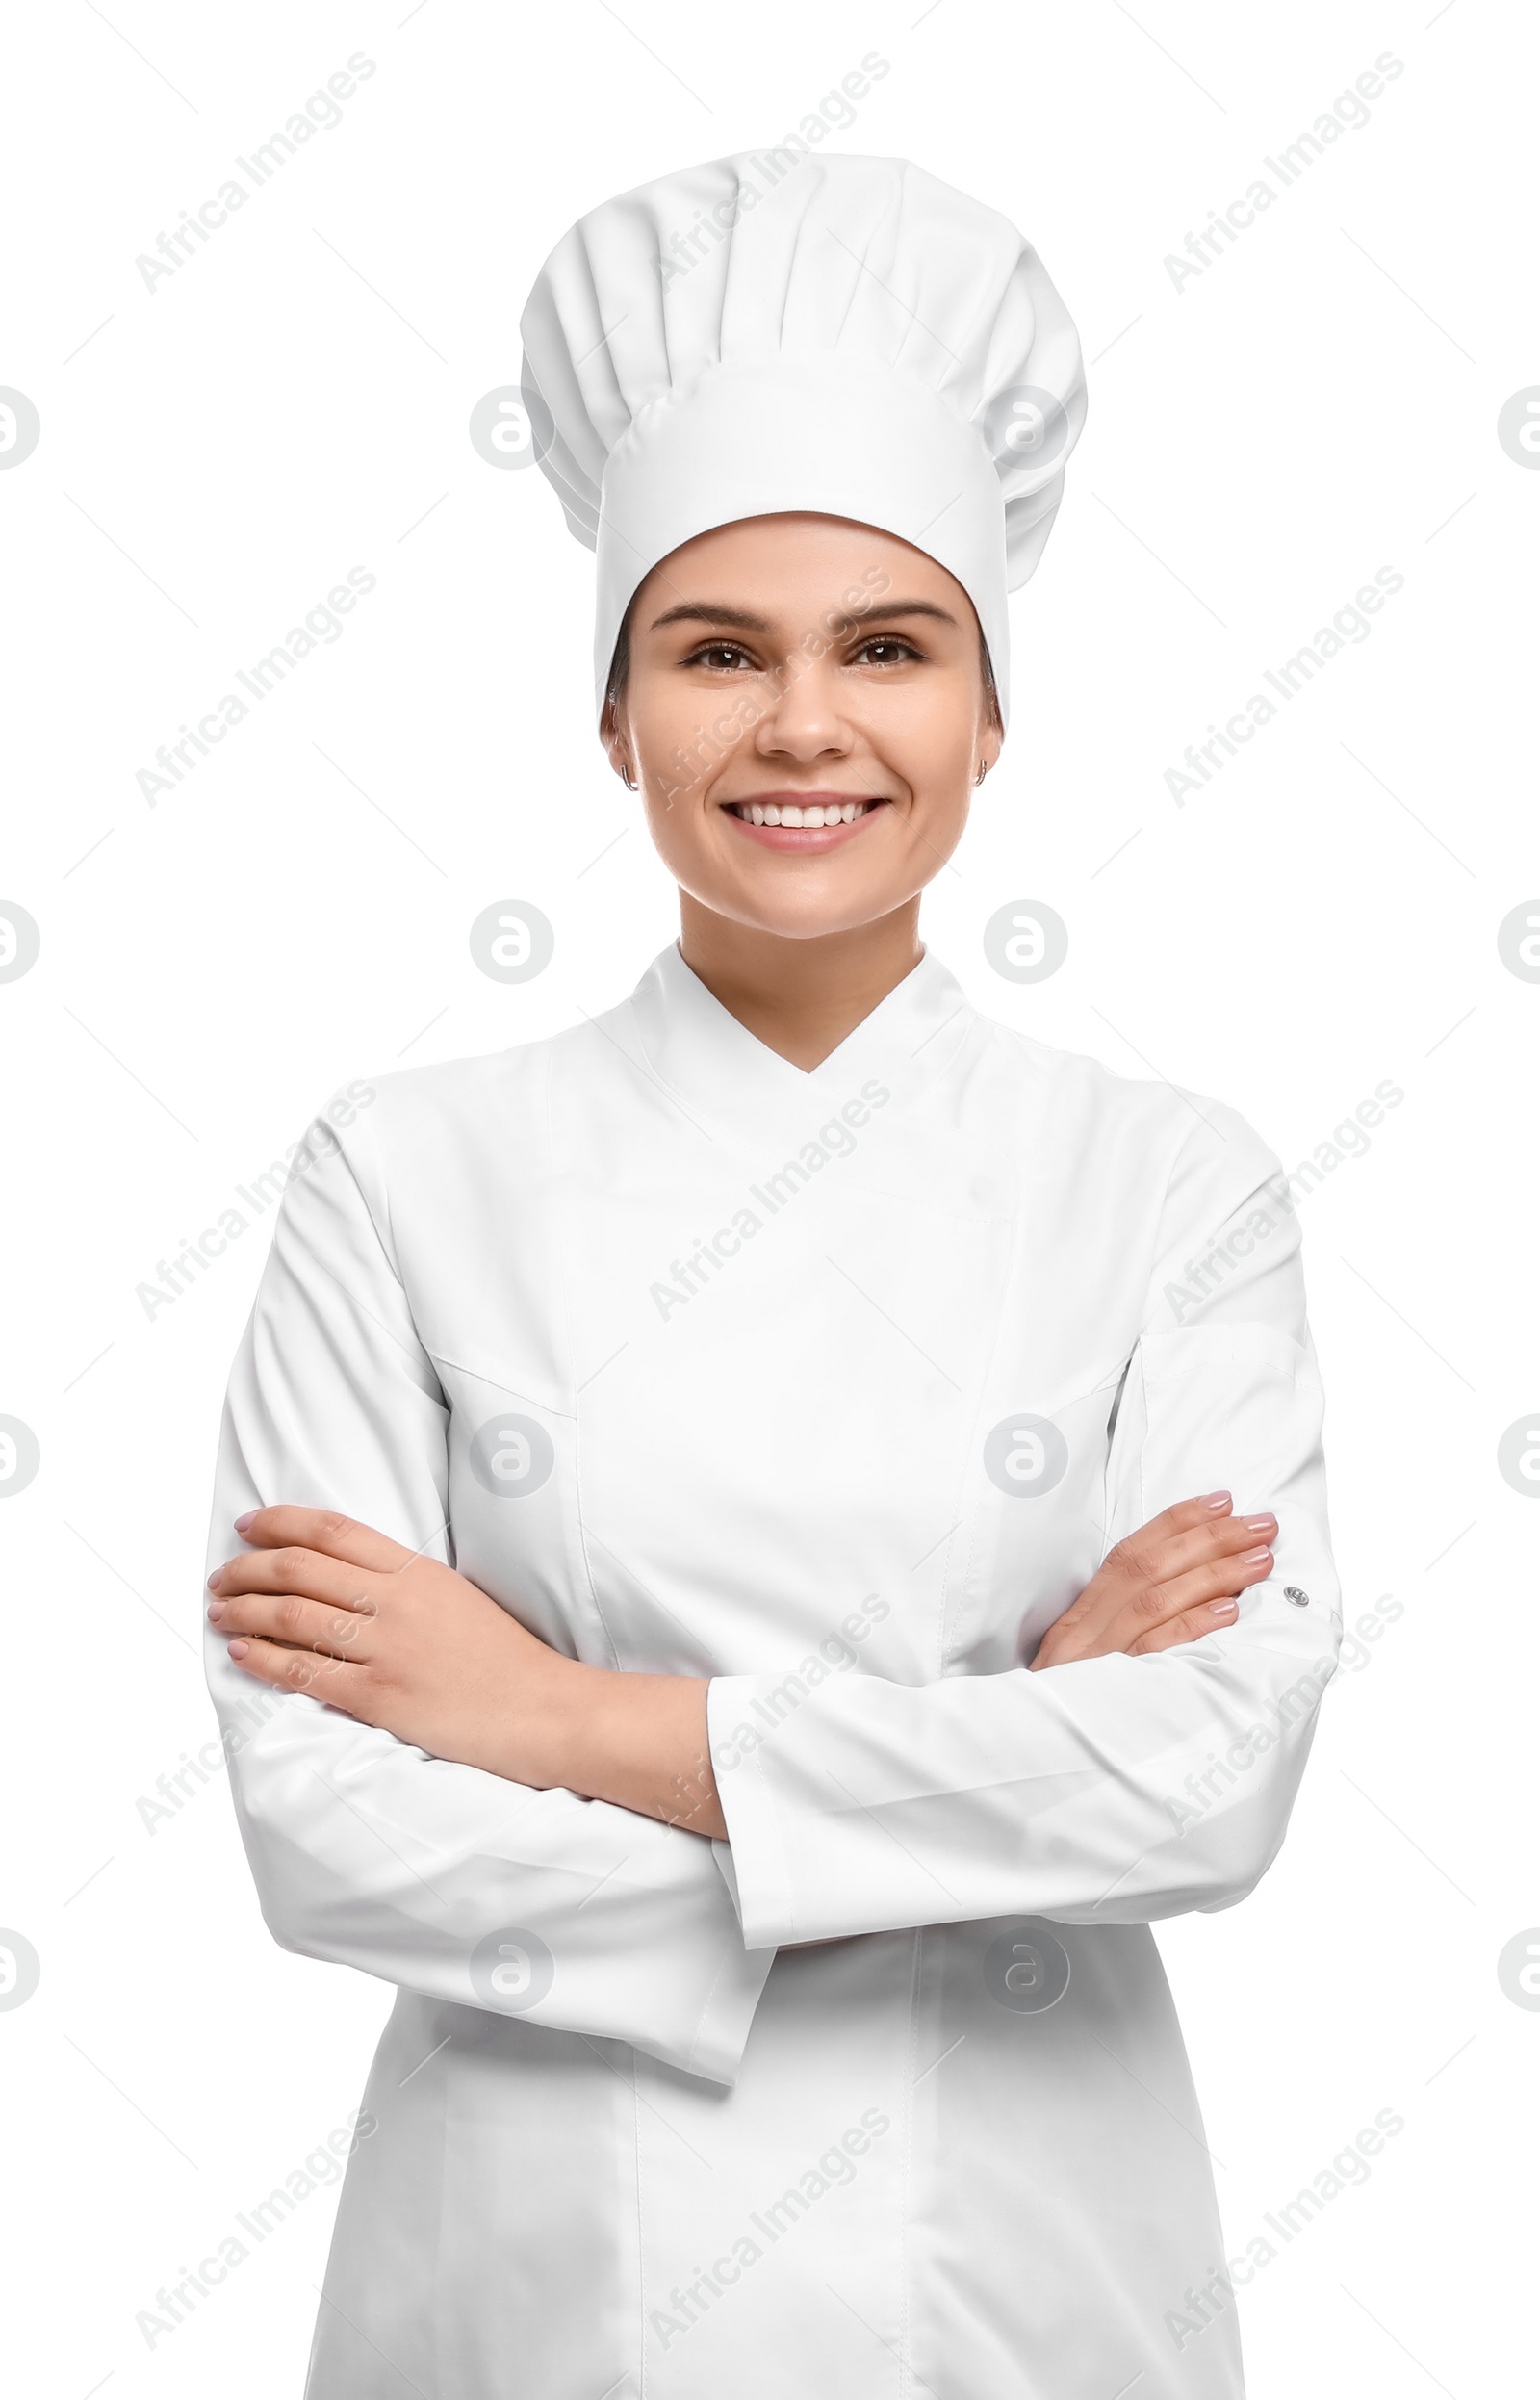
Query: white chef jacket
x,y
834,1388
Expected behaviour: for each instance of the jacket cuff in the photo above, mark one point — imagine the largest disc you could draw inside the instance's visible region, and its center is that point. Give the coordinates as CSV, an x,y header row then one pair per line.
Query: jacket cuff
x,y
723,2031
756,1869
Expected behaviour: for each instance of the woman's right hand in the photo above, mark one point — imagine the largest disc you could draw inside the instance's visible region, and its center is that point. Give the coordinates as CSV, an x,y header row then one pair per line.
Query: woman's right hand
x,y
1175,1580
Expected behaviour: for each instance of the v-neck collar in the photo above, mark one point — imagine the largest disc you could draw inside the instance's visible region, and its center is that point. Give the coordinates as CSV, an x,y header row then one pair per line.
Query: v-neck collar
x,y
700,1048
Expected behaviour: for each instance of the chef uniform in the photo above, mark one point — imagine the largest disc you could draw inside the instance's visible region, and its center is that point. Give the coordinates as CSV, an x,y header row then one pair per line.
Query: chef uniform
x,y
834,1387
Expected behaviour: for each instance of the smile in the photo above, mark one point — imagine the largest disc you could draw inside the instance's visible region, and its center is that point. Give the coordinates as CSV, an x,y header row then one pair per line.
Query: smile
x,y
785,823
786,812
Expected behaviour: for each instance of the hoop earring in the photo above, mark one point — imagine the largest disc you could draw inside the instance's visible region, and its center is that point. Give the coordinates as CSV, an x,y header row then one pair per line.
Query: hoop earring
x,y
625,779
983,771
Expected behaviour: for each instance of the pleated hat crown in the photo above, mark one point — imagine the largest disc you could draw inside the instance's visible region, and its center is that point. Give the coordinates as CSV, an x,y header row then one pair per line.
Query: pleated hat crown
x,y
776,331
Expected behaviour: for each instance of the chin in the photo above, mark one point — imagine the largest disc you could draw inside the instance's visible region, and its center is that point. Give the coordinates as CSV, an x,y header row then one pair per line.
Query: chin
x,y
809,921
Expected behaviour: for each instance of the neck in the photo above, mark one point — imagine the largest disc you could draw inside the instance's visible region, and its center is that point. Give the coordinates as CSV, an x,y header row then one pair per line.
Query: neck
x,y
800,997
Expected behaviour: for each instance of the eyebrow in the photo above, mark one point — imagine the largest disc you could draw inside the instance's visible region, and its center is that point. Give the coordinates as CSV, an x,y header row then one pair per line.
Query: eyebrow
x,y
743,621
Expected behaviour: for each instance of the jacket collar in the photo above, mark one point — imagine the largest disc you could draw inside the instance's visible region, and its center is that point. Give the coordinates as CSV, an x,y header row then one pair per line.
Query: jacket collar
x,y
722,1070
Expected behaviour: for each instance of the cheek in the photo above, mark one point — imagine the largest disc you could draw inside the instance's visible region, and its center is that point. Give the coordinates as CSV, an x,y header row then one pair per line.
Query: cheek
x,y
682,739
935,717
934,828
929,740
673,824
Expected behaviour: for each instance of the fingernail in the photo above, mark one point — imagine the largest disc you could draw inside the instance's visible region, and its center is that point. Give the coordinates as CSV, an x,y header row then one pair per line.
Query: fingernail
x,y
214,1579
1265,1524
1254,1558
1221,1608
238,1649
241,1522
1218,1501
216,1609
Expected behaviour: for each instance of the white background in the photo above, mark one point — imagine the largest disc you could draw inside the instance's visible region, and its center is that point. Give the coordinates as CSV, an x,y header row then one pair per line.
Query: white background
x,y
216,454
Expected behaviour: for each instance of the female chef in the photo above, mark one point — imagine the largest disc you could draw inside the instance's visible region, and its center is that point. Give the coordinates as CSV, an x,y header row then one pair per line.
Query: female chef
x,y
790,1632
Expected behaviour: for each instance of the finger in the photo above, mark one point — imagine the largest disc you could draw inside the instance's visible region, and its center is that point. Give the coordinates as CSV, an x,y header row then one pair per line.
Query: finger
x,y
322,1529
1183,1514
309,1573
340,1686
1128,1625
1212,1617
1223,1579
1132,1592
300,1624
1153,1558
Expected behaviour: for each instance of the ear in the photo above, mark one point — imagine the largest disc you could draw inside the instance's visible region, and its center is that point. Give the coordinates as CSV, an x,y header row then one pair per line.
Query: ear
x,y
617,747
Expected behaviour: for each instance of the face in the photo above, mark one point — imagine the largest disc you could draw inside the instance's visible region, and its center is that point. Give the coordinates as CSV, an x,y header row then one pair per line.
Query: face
x,y
806,713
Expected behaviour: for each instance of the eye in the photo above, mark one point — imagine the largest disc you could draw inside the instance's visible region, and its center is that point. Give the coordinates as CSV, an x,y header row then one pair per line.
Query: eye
x,y
896,647
719,657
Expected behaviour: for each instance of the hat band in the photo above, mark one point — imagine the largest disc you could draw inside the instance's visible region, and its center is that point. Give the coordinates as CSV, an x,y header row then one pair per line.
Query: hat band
x,y
768,436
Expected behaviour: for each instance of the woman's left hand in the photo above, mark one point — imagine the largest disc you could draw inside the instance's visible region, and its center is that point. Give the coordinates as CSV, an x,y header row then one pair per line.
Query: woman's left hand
x,y
324,1606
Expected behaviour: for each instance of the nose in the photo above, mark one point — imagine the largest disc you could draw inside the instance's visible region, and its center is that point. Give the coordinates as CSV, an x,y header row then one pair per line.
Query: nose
x,y
803,721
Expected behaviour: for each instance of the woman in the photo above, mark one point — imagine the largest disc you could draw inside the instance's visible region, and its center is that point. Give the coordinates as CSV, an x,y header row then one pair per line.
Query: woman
x,y
785,1643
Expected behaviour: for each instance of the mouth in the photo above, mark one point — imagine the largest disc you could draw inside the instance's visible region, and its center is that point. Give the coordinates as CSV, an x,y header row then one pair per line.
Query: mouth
x,y
796,822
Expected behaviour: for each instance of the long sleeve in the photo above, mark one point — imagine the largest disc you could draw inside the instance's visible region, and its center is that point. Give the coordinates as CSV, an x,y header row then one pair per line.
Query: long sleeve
x,y
366,1850
1114,1789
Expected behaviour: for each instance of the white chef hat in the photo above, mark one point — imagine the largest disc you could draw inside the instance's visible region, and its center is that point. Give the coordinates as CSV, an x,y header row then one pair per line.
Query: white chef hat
x,y
779,331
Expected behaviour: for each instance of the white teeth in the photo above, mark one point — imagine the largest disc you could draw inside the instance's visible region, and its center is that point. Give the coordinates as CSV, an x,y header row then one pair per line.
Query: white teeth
x,y
815,815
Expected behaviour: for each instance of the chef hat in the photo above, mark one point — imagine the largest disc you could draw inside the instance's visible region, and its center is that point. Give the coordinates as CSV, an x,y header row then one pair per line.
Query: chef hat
x,y
779,331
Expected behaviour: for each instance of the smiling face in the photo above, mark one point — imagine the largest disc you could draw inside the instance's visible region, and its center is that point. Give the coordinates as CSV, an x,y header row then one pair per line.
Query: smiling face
x,y
805,710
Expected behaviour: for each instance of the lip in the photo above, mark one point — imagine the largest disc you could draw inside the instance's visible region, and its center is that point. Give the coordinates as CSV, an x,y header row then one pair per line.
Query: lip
x,y
801,841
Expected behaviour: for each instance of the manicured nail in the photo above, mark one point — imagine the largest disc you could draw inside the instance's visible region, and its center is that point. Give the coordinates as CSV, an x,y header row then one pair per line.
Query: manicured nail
x,y
1254,1558
1265,1524
214,1579
238,1649
241,1522
1221,1608
216,1611
1217,1501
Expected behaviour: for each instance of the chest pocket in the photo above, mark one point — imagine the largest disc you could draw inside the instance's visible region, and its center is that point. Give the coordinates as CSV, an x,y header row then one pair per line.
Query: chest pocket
x,y
513,1501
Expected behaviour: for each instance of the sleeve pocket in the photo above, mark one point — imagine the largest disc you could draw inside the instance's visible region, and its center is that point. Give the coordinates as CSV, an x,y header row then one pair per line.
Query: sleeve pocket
x,y
1236,1408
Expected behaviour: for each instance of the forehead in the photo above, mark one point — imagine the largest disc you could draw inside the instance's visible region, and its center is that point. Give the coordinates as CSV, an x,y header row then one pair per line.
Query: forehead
x,y
773,564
